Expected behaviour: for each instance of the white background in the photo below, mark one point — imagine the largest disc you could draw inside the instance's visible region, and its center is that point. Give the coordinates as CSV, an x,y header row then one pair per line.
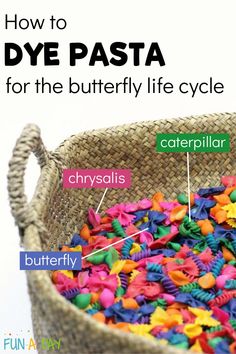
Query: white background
x,y
197,39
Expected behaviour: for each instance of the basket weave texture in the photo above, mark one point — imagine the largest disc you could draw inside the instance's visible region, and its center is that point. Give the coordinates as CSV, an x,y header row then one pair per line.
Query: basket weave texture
x,y
54,214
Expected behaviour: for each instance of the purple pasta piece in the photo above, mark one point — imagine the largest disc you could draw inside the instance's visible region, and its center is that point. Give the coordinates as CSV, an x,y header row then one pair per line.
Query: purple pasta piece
x,y
201,266
140,255
123,280
144,320
169,286
71,293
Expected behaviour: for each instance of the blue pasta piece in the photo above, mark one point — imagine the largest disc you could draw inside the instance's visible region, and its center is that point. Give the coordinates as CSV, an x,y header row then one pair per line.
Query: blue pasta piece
x,y
102,233
190,242
218,256
91,311
146,309
212,243
125,250
224,233
230,308
202,273
151,276
202,295
178,338
233,243
230,284
77,240
139,215
120,314
165,252
199,212
217,267
154,218
166,335
206,192
222,347
189,300
219,292
168,253
154,267
143,246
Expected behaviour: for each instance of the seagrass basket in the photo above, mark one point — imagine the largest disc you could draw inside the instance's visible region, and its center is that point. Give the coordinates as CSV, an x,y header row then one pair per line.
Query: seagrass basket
x,y
54,214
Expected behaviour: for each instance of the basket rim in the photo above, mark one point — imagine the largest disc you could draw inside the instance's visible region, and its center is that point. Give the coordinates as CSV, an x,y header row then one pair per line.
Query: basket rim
x,y
192,119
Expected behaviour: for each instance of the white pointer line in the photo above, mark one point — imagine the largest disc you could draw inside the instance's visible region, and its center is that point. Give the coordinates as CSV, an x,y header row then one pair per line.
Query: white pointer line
x,y
189,192
115,243
99,205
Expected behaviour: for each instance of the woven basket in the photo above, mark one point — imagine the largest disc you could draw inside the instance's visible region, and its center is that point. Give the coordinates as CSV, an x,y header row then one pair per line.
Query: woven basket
x,y
55,214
